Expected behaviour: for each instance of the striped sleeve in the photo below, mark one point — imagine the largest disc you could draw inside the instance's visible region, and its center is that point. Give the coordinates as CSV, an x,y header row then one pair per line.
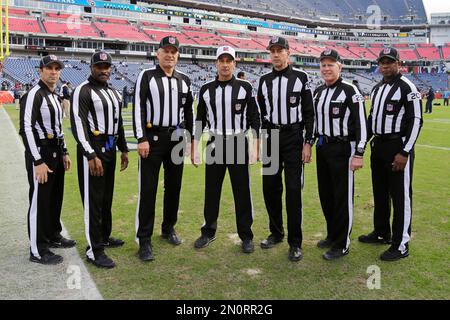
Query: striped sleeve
x,y
253,115
29,108
189,109
358,111
260,99
307,108
201,114
413,116
141,94
79,119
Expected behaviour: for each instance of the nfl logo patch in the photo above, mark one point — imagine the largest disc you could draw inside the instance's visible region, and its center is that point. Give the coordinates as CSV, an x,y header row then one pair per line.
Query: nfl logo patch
x,y
327,52
172,40
103,56
335,110
183,100
389,107
293,99
53,57
238,107
275,39
387,50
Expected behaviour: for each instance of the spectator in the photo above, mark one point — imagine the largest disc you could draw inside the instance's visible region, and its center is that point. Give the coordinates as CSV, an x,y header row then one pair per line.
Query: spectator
x,y
430,98
446,97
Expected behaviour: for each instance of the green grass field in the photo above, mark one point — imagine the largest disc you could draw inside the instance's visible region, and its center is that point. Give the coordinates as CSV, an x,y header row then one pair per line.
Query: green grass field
x,y
221,271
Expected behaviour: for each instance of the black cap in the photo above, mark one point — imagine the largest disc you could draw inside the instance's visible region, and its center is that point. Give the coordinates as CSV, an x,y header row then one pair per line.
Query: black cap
x,y
48,60
278,41
331,54
169,41
101,57
390,53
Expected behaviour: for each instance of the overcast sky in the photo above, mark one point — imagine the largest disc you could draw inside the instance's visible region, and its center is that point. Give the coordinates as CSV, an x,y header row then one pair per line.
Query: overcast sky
x,y
436,6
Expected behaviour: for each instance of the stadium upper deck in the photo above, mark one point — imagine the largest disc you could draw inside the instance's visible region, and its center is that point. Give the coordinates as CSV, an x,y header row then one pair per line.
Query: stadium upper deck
x,y
69,29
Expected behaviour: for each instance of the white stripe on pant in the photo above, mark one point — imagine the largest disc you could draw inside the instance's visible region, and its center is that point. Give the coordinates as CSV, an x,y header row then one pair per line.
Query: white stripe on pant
x,y
89,252
33,218
407,206
351,179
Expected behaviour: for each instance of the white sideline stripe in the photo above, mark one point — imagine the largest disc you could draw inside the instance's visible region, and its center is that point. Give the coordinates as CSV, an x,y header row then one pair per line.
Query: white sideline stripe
x,y
433,147
28,273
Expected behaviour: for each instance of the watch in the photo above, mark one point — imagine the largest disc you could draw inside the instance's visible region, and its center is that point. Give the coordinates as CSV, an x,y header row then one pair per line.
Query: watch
x,y
360,150
310,142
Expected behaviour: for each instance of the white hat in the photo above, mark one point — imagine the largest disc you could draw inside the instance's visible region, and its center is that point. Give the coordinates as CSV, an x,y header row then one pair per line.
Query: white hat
x,y
226,50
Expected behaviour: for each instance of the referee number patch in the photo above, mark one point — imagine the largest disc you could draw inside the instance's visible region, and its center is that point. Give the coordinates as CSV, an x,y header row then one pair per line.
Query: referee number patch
x,y
414,96
358,98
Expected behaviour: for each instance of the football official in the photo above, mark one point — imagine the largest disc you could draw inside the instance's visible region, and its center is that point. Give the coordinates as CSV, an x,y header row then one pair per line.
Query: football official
x,y
46,161
96,117
227,107
395,121
162,110
286,105
341,133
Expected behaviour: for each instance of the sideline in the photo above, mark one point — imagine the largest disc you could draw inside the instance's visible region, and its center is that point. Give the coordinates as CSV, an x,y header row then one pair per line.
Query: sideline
x,y
20,278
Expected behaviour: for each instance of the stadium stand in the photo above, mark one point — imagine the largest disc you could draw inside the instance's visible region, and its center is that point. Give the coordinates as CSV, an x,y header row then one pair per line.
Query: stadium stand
x,y
348,11
140,31
28,25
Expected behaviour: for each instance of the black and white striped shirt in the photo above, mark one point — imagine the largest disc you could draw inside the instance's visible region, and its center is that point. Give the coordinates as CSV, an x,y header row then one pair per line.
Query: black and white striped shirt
x,y
227,107
40,118
96,110
162,101
396,109
340,112
285,97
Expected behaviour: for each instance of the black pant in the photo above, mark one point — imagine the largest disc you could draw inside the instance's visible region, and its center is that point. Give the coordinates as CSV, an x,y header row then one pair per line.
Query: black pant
x,y
429,106
290,159
240,182
161,148
391,186
97,197
45,199
335,182
446,102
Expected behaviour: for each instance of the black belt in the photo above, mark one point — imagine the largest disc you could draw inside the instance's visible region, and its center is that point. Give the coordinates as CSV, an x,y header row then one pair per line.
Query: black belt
x,y
229,136
390,136
284,127
162,129
51,142
102,137
328,139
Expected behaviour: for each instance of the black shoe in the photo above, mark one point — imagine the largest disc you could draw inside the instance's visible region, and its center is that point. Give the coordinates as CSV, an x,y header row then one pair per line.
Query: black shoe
x,y
335,253
392,254
270,242
247,246
145,252
113,243
203,241
48,258
324,243
62,243
102,261
374,238
172,238
295,254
